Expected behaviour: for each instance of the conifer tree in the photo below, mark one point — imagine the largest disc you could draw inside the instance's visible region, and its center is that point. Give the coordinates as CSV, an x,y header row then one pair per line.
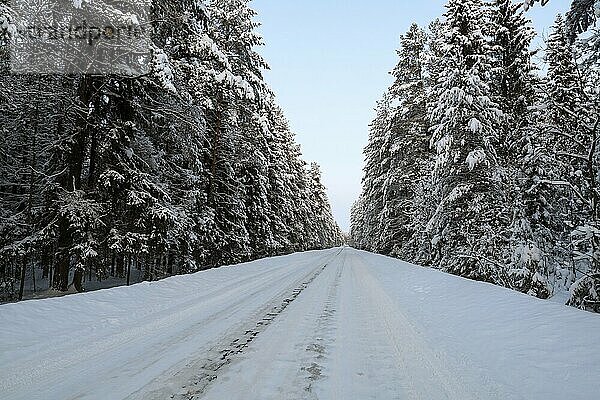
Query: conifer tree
x,y
426,199
513,198
409,149
574,120
357,225
377,165
512,78
189,166
519,153
465,120
324,227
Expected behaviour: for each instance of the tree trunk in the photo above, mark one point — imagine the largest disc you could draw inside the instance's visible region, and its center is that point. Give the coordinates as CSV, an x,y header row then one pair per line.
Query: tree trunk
x,y
23,272
46,262
128,270
91,182
120,271
33,277
50,276
61,272
112,264
78,278
169,261
214,158
72,182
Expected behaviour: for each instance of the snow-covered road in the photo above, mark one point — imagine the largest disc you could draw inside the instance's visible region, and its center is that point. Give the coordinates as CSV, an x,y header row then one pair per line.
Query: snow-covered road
x,y
334,324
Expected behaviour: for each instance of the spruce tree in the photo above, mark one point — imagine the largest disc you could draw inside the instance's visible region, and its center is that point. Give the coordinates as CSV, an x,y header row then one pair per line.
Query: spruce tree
x,y
574,120
582,15
377,166
426,200
468,221
512,77
519,154
357,215
188,166
409,149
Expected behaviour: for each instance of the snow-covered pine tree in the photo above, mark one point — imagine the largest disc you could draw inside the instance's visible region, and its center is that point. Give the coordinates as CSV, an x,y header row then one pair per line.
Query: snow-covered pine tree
x,y
511,34
409,149
323,225
301,221
281,193
24,149
236,34
469,221
513,87
435,52
254,171
7,29
564,86
582,15
293,219
426,200
357,214
376,170
160,174
7,276
574,122
564,95
238,115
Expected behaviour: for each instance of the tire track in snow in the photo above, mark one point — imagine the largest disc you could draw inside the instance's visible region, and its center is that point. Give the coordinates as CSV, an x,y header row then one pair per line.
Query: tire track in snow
x,y
219,357
428,373
360,365
319,346
271,368
71,355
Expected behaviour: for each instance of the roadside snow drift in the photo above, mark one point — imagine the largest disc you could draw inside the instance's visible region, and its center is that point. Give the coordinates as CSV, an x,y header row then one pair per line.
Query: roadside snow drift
x,y
335,324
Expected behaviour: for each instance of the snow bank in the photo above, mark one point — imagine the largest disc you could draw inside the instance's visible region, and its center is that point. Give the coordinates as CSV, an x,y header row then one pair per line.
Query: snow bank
x,y
532,348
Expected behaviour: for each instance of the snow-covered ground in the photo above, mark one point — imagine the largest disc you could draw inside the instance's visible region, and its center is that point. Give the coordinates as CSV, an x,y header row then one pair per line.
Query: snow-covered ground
x,y
335,324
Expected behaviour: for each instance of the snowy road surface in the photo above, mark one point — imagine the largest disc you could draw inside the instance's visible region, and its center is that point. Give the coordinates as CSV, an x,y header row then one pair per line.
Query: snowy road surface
x,y
335,324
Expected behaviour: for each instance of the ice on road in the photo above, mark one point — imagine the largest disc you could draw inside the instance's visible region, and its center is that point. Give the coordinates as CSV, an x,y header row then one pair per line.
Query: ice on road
x,y
334,324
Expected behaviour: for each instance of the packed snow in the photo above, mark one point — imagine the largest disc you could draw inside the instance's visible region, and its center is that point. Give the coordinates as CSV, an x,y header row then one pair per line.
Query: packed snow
x,y
333,324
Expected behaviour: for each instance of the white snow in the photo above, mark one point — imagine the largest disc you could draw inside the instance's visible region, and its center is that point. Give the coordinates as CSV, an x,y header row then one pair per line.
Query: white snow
x,y
475,158
474,125
133,19
162,69
363,327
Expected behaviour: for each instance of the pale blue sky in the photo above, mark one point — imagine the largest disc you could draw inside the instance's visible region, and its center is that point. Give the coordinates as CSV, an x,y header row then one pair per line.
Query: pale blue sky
x,y
329,62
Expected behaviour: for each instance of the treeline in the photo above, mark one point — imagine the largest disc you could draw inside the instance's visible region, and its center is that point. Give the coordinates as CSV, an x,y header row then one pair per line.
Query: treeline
x,y
483,161
190,166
